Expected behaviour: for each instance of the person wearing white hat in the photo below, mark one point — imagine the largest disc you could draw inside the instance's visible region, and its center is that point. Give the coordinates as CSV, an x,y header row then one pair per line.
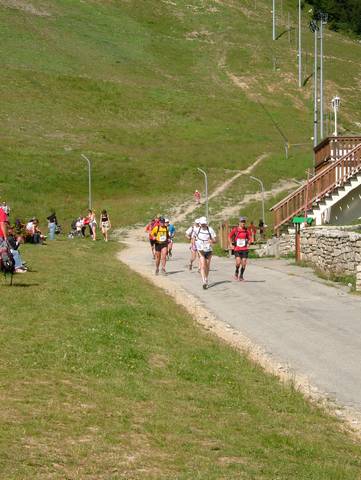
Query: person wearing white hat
x,y
192,248
203,238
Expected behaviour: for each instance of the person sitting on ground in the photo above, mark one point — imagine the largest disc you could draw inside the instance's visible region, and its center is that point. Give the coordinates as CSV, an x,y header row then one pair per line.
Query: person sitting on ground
x,y
14,243
20,230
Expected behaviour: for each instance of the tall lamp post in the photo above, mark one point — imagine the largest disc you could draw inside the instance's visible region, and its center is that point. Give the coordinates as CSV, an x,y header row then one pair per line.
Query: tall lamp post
x,y
336,101
323,21
206,187
262,190
89,180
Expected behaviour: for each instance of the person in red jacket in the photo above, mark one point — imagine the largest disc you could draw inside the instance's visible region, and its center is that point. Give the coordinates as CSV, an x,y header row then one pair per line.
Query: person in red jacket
x,y
239,240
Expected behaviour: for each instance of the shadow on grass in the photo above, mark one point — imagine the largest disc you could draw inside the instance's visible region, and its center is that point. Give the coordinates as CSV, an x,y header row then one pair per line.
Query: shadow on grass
x,y
24,285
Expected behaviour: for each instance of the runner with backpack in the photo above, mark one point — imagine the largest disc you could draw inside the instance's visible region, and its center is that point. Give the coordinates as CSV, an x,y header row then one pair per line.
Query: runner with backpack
x,y
193,248
202,239
160,234
239,240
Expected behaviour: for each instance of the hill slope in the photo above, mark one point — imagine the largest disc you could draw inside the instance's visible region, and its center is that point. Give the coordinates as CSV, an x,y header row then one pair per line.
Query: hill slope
x,y
149,91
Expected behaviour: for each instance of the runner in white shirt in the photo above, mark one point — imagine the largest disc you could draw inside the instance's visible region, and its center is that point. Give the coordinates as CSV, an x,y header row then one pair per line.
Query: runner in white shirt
x,y
203,239
192,247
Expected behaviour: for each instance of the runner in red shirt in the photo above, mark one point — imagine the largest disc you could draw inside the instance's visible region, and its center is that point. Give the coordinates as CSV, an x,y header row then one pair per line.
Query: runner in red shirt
x,y
239,239
153,223
3,224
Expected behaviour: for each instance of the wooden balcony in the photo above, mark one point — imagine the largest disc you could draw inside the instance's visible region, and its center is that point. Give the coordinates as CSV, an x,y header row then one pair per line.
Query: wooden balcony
x,y
333,148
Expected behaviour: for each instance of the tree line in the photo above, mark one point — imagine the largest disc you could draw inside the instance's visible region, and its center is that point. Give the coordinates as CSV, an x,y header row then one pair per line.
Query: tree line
x,y
342,14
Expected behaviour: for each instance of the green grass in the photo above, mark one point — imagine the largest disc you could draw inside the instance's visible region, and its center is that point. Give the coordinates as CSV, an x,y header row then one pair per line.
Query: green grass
x,y
103,376
145,90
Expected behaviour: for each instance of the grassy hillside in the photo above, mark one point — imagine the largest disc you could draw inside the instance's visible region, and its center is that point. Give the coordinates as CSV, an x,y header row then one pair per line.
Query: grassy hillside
x,y
149,91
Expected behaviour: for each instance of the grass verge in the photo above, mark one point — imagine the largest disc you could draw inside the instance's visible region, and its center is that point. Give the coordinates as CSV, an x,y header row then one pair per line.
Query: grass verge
x,y
103,376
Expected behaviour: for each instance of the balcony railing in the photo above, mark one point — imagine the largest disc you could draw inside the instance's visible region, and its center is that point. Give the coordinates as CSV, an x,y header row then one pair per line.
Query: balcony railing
x,y
333,175
333,148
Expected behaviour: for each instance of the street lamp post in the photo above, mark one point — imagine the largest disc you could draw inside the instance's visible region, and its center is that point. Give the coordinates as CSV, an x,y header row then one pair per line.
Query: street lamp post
x,y
206,187
89,180
336,101
323,20
262,190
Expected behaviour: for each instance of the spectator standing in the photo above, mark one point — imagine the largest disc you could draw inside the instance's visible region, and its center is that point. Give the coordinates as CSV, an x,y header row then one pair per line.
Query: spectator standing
x,y
5,207
3,226
92,224
261,227
105,224
197,197
52,224
252,230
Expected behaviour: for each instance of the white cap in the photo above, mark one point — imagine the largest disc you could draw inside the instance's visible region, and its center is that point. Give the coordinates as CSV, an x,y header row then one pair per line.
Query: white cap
x,y
166,220
196,220
203,221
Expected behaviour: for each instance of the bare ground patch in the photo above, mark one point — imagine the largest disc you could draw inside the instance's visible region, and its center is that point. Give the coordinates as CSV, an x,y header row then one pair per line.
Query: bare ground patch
x,y
25,6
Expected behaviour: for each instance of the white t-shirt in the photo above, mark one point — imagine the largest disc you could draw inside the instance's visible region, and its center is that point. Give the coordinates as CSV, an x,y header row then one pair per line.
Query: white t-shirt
x,y
189,232
203,238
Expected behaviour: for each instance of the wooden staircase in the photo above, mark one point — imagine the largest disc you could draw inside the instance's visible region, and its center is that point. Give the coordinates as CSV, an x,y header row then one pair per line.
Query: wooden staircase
x,y
332,173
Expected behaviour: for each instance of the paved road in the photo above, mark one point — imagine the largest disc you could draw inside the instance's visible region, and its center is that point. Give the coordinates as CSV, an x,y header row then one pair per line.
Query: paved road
x,y
313,328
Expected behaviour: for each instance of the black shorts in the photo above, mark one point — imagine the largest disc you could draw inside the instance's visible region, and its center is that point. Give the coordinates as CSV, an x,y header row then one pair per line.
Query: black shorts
x,y
152,242
205,254
159,246
241,253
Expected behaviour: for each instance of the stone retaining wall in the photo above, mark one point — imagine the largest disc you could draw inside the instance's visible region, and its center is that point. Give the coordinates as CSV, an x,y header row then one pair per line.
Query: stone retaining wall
x,y
332,249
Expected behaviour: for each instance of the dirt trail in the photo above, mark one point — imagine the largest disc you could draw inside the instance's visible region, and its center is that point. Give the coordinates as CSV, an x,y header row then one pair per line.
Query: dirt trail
x,y
253,197
187,208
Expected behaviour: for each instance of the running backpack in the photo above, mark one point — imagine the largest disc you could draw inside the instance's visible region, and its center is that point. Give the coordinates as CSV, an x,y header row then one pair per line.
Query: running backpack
x,y
155,236
209,233
7,263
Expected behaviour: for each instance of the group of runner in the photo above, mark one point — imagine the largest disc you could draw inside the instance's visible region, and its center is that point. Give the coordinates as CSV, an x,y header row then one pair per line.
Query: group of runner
x,y
161,233
201,237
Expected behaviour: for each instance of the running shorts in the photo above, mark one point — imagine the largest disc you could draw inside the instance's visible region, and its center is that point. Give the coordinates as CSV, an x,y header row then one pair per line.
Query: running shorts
x,y
241,253
152,242
159,246
205,254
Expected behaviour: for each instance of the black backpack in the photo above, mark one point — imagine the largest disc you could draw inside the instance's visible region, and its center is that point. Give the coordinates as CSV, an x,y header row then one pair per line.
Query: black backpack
x,y
7,263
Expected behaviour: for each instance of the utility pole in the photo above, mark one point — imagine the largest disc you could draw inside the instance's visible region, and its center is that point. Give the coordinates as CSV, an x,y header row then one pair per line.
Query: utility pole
x,y
323,20
89,181
314,28
299,46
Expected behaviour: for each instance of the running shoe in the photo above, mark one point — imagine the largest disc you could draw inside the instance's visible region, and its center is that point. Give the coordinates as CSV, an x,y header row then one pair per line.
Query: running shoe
x,y
190,267
235,277
241,279
164,272
157,271
205,286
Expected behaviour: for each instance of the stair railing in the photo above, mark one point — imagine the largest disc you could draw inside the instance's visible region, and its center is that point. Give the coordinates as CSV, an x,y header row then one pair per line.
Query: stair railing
x,y
334,175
